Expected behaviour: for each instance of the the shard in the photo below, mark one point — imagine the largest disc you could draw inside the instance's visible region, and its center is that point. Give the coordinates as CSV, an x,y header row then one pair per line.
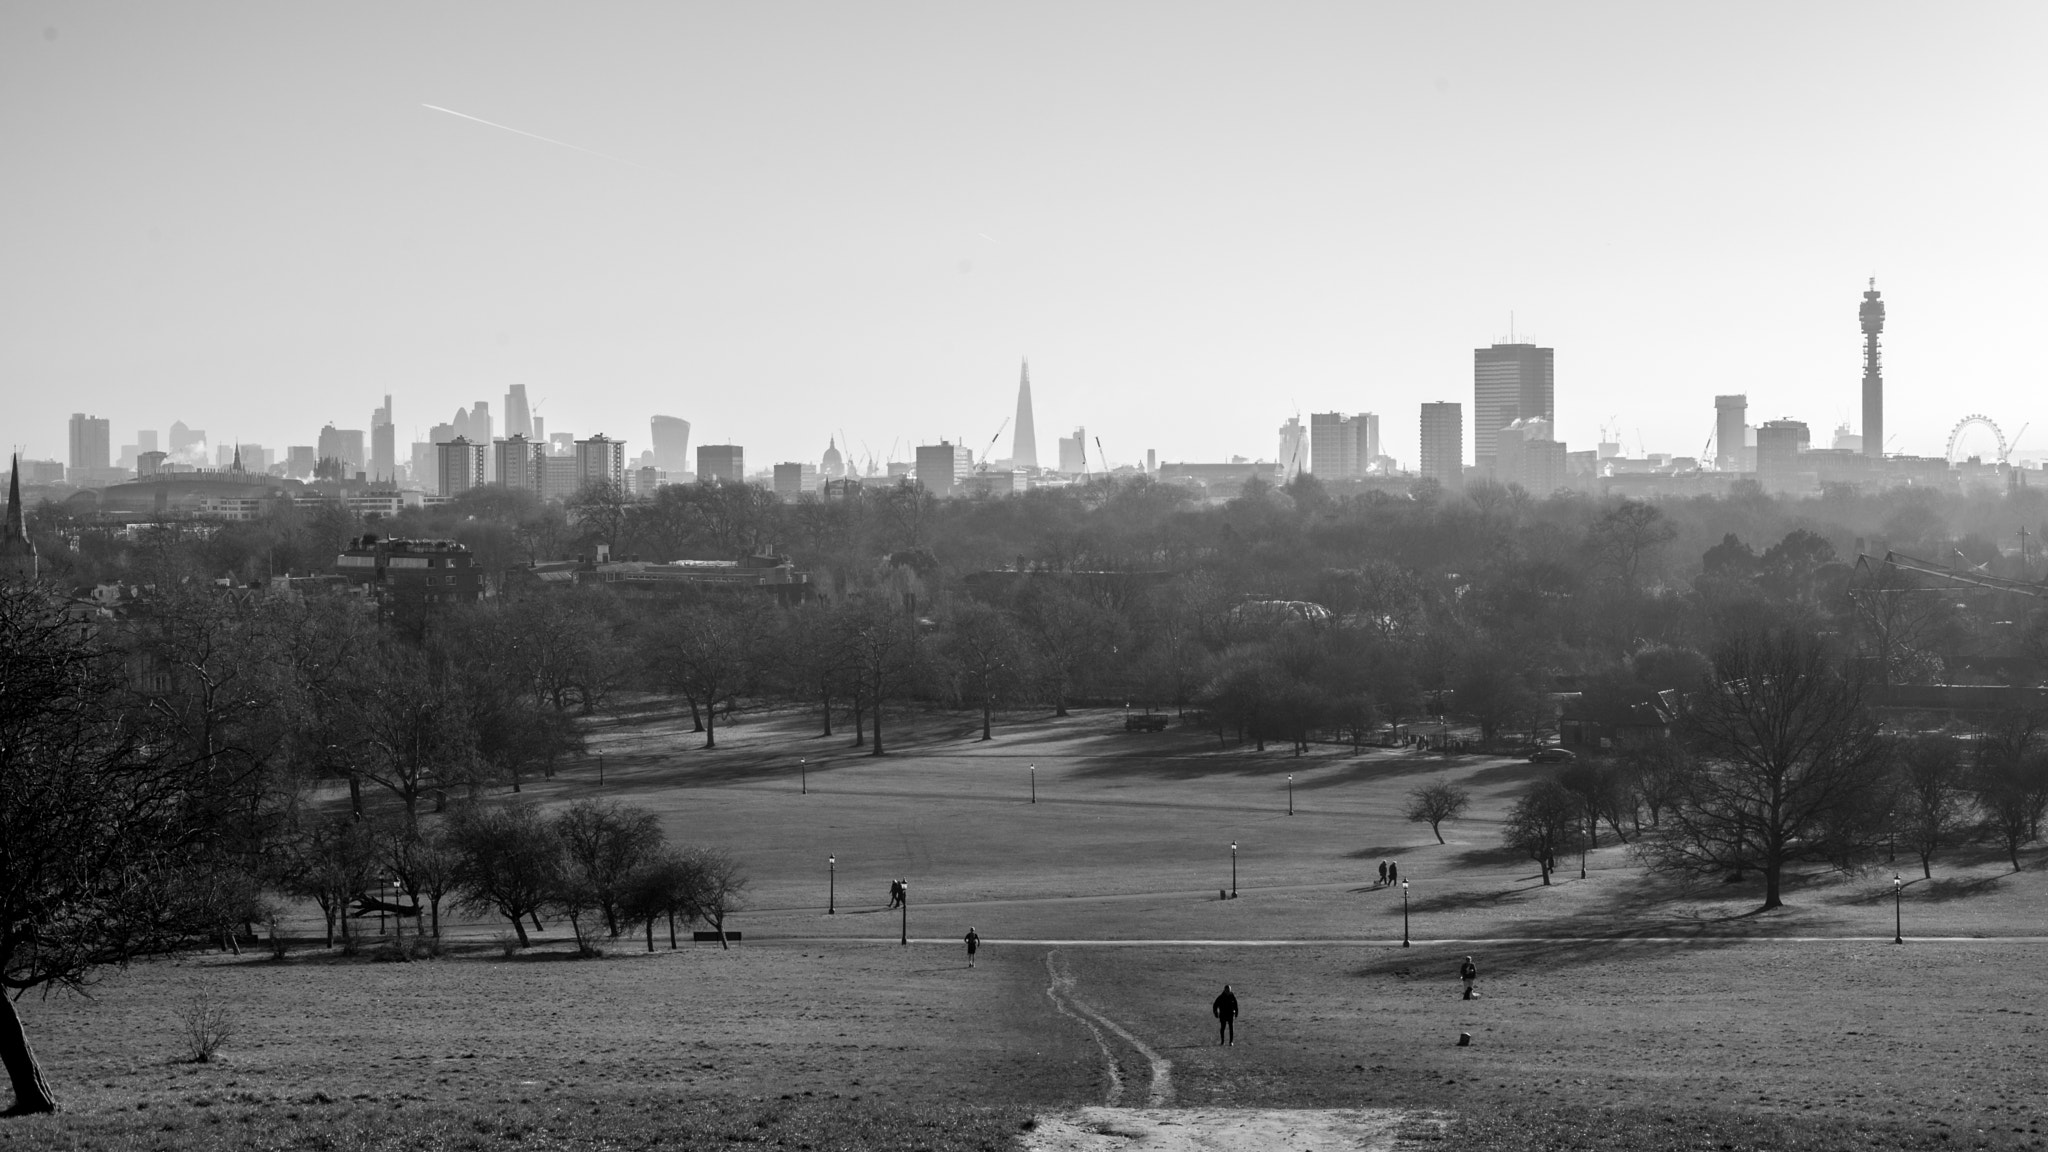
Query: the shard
x,y
1024,443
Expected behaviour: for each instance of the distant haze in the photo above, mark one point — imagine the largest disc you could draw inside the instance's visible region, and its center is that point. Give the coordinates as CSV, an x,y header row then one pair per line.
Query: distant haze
x,y
779,221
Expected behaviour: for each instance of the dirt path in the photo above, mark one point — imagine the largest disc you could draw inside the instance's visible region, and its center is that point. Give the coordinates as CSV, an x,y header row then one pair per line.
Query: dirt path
x,y
1061,991
1218,1130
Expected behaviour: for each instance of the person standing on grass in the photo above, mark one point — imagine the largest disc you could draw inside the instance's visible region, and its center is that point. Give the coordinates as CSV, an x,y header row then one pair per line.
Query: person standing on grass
x,y
1469,973
973,945
1225,1011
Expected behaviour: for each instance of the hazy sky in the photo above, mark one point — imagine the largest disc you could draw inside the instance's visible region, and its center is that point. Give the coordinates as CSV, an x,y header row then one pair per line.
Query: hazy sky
x,y
1196,220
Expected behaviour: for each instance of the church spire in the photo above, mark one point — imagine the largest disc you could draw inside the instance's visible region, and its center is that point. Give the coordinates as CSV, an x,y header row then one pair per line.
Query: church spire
x,y
17,551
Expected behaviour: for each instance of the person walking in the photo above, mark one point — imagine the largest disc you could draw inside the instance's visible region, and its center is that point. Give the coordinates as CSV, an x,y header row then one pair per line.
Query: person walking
x,y
1469,973
973,939
1393,871
1383,872
1225,1011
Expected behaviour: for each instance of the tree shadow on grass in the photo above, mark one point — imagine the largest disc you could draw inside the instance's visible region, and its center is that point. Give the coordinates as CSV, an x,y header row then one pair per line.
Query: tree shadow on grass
x,y
1469,900
1512,772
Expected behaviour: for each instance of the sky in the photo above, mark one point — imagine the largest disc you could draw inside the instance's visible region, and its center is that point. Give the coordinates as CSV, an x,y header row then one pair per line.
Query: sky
x,y
786,222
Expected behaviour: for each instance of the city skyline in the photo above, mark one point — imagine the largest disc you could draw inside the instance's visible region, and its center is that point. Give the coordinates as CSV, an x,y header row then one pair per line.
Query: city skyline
x,y
1677,234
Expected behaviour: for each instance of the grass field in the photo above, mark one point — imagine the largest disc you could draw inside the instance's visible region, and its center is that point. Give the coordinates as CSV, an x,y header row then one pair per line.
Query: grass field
x,y
1618,1011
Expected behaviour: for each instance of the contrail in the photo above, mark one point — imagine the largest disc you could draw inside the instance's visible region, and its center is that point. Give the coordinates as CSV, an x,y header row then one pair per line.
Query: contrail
x,y
542,139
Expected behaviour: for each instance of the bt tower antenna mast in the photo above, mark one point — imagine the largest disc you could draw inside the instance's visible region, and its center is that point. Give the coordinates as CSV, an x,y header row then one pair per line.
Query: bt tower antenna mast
x,y
1872,315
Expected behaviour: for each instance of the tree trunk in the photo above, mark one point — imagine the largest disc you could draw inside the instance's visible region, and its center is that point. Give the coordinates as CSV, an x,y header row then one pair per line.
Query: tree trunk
x,y
696,718
31,1092
1438,831
519,926
650,933
988,717
1927,865
355,795
828,712
437,917
671,931
860,720
711,727
1772,873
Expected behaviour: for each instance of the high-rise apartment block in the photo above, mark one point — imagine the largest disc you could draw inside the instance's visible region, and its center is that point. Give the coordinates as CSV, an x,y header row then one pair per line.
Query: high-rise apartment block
x,y
1527,454
1779,444
1510,382
522,464
721,463
671,443
942,466
601,460
92,439
462,465
1340,446
1443,443
1729,414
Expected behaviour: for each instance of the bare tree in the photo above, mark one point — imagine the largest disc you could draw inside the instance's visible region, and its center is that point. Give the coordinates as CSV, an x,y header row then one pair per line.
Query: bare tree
x,y
662,888
605,842
1932,808
717,885
987,652
510,862
1432,804
1543,823
710,653
2011,778
1628,539
1788,763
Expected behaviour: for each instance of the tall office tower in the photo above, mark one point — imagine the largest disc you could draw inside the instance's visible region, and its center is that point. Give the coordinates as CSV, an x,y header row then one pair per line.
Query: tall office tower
x,y
1074,452
1872,316
145,440
1443,443
461,466
330,445
91,441
518,417
1342,446
480,422
1293,449
942,466
1729,414
540,430
721,463
299,460
794,478
1510,382
17,551
601,460
383,444
671,443
1024,439
345,445
522,464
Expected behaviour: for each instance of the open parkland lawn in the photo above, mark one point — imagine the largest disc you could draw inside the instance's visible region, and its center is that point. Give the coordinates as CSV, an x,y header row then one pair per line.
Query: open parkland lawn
x,y
1620,1011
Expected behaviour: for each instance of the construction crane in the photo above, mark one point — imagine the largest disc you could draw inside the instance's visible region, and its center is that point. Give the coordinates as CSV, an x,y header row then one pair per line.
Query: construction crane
x,y
1970,577
983,466
2016,439
1101,457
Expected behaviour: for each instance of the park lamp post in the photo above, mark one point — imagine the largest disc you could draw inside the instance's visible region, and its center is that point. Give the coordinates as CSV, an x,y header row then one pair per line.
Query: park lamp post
x,y
905,886
1233,869
1034,783
832,885
1898,910
1404,914
803,776
600,769
1290,793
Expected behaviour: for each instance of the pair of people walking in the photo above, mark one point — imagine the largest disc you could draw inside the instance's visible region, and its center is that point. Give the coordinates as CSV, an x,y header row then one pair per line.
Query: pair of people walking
x,y
897,891
1390,871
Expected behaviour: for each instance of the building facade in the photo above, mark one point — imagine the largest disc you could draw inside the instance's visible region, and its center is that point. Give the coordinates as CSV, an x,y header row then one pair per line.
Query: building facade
x,y
1730,416
721,464
1510,382
1074,452
942,466
671,441
460,466
92,439
1443,443
601,460
1342,447
522,464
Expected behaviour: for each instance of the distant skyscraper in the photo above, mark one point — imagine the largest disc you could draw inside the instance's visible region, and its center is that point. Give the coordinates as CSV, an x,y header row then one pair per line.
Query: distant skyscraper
x,y
721,463
1778,445
187,444
91,441
345,445
1510,382
1074,452
1443,443
518,417
1872,316
794,478
1293,449
1024,439
1729,414
671,443
383,444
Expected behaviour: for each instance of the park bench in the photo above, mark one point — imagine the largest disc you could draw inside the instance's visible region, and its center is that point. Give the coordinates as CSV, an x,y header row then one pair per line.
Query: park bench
x,y
712,937
1150,722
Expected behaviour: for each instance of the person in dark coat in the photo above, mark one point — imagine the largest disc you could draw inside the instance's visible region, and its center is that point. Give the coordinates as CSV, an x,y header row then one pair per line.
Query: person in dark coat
x,y
895,893
1225,1011
973,939
1383,872
1469,973
1393,871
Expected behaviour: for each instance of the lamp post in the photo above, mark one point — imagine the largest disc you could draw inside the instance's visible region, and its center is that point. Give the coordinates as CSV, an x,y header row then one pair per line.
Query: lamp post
x,y
1290,793
831,885
803,777
1233,869
1898,910
1034,783
905,941
600,769
1404,914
